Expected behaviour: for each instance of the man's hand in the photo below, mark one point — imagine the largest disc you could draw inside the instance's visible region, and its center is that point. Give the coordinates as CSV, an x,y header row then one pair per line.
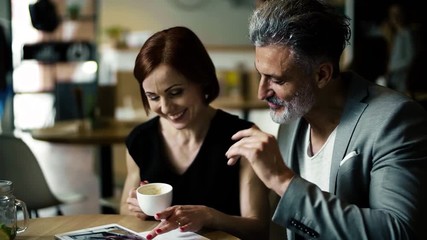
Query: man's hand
x,y
261,150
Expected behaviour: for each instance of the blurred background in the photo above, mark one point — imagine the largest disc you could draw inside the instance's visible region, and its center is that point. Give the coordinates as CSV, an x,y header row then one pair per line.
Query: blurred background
x,y
50,48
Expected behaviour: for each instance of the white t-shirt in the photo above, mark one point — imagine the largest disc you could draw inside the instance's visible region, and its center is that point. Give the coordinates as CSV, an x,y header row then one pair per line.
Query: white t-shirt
x,y
316,168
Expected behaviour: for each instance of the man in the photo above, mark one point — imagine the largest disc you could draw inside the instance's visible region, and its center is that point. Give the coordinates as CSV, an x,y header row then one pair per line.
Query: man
x,y
351,156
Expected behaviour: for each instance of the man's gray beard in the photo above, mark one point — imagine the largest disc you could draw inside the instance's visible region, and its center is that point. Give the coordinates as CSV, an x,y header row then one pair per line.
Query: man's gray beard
x,y
299,105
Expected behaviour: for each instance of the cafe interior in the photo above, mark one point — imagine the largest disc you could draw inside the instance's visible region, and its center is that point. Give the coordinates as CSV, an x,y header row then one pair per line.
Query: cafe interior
x,y
67,88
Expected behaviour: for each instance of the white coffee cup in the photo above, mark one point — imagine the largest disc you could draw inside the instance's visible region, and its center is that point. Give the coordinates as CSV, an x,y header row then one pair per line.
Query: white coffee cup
x,y
154,197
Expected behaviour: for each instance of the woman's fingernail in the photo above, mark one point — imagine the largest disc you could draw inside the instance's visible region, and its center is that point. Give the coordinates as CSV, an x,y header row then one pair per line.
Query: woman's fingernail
x,y
158,231
149,237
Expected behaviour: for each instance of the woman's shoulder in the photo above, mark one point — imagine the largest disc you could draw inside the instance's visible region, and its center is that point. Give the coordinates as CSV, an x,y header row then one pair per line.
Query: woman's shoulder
x,y
147,125
232,121
144,128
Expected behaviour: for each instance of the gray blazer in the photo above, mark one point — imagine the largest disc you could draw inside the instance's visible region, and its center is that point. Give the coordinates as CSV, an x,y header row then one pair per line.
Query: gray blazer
x,y
378,174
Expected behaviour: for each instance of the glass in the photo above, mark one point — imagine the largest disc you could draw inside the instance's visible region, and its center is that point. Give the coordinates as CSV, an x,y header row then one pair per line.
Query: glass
x,y
9,207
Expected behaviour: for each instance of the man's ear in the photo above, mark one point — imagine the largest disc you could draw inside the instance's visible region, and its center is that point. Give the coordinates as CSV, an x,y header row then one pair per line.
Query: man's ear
x,y
324,74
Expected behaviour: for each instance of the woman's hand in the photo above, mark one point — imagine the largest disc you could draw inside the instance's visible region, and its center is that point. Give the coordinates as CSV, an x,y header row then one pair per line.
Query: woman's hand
x,y
187,218
133,205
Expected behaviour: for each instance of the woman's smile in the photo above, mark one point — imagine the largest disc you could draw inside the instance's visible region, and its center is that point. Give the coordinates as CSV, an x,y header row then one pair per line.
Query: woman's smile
x,y
176,116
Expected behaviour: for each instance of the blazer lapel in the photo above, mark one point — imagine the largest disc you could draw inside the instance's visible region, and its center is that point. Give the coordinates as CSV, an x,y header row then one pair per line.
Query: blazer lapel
x,y
357,91
288,139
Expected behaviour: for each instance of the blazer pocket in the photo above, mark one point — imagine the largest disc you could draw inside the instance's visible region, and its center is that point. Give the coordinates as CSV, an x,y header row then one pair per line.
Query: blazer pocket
x,y
348,157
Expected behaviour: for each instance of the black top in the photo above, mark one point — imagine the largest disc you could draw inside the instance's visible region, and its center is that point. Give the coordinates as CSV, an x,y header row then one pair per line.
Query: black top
x,y
208,180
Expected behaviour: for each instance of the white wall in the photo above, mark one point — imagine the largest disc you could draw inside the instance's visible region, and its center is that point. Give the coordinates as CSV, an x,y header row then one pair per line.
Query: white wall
x,y
217,22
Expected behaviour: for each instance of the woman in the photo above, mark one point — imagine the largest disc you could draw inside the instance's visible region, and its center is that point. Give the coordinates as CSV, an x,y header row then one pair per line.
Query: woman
x,y
185,144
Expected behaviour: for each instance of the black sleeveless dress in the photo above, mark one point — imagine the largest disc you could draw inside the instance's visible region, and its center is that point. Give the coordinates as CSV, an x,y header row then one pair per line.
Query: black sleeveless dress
x,y
208,180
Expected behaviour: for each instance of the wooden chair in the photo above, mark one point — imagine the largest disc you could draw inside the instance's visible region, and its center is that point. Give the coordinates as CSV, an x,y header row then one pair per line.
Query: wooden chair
x,y
19,165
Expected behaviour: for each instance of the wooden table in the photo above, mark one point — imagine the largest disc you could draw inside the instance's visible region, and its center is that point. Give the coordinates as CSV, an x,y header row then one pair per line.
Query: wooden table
x,y
103,133
46,228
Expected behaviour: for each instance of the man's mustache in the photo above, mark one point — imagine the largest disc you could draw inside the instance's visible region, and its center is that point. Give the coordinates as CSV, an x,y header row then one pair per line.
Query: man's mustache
x,y
274,100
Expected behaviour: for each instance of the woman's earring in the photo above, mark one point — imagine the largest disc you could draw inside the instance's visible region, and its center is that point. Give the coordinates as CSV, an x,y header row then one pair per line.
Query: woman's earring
x,y
206,96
